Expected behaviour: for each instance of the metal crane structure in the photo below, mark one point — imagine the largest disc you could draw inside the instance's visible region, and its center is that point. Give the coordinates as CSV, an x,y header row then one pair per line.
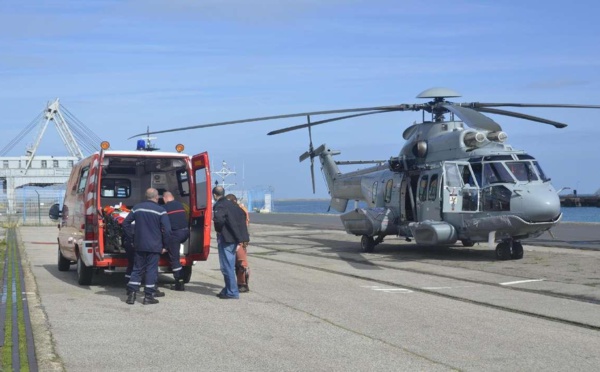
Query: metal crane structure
x,y
32,169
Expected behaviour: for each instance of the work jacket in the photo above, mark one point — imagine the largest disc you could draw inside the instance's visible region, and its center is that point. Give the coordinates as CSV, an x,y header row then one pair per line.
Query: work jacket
x,y
230,222
152,229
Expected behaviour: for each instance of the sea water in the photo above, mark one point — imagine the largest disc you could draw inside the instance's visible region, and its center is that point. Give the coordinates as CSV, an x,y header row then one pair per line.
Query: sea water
x,y
570,214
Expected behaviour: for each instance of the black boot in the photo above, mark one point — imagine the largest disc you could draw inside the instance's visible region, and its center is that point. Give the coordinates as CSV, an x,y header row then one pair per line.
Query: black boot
x,y
179,285
158,293
149,299
130,297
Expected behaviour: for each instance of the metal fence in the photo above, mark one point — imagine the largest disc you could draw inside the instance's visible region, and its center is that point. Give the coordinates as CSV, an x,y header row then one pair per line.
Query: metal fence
x,y
30,206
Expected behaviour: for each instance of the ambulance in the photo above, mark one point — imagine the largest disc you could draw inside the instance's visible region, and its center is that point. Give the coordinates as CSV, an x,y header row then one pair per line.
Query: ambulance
x,y
103,188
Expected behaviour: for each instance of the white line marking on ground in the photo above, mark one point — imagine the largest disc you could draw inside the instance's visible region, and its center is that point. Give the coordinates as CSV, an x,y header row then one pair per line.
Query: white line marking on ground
x,y
387,289
456,286
522,281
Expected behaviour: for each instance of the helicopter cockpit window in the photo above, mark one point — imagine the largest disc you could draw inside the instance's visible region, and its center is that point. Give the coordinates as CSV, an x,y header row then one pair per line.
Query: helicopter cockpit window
x,y
452,175
423,188
522,170
540,171
467,177
433,187
495,173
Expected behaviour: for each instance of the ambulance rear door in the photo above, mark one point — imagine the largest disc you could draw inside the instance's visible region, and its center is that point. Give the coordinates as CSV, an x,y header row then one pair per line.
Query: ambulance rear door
x,y
200,207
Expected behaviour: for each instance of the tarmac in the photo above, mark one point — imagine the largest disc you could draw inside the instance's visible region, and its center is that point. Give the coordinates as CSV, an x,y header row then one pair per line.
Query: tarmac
x,y
317,303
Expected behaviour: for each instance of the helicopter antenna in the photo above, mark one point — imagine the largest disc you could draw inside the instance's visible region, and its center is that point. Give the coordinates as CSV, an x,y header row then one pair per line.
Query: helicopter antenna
x,y
310,153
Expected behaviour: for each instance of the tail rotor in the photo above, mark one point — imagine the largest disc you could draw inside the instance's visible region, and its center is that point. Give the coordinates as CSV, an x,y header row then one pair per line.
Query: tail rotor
x,y
310,153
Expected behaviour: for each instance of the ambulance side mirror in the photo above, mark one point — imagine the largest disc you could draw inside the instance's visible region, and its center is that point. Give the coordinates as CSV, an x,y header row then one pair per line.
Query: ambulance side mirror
x,y
55,212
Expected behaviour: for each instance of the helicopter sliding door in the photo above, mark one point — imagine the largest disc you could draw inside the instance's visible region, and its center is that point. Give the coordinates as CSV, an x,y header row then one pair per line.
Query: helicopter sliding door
x,y
460,191
429,206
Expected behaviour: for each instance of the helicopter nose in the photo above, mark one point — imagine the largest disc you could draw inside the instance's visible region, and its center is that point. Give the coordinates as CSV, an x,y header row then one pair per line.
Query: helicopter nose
x,y
540,203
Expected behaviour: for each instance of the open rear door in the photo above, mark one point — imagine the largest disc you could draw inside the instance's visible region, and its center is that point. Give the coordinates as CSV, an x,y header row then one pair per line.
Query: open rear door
x,y
201,208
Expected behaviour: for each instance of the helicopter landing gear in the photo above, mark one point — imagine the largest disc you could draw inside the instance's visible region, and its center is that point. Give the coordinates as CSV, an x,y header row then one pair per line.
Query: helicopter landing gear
x,y
517,250
503,251
509,249
467,243
367,243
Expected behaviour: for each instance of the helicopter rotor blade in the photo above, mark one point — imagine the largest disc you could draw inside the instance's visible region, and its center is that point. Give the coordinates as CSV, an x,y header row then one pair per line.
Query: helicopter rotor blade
x,y
473,118
548,105
401,107
312,173
300,126
521,116
312,155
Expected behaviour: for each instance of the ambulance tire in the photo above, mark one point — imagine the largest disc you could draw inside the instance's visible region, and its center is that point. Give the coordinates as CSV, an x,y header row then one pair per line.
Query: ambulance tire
x,y
186,271
63,263
84,273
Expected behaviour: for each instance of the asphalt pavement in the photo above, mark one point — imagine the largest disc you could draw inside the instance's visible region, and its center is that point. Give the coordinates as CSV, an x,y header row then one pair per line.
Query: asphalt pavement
x,y
318,304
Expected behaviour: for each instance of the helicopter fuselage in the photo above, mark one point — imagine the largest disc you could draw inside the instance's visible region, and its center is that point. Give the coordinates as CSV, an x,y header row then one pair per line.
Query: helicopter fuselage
x,y
447,184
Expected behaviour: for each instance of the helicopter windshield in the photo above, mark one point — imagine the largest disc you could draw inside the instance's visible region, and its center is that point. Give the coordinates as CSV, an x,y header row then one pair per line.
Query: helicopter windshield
x,y
540,171
522,170
495,173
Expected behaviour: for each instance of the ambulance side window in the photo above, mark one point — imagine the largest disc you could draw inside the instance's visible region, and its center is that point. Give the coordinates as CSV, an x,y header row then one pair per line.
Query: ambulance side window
x,y
183,182
201,188
82,180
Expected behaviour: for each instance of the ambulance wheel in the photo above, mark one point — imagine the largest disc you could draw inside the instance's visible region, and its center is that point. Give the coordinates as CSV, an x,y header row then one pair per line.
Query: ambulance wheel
x,y
367,244
517,251
63,263
187,273
503,251
84,273
467,243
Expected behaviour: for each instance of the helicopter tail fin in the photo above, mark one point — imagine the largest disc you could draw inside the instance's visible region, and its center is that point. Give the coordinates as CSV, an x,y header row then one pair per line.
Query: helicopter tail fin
x,y
330,171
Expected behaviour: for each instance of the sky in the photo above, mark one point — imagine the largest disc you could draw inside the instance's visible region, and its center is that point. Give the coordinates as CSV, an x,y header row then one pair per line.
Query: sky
x,y
123,66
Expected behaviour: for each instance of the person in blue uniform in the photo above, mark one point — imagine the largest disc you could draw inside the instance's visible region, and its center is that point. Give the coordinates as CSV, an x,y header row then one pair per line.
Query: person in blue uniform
x,y
152,232
230,225
180,232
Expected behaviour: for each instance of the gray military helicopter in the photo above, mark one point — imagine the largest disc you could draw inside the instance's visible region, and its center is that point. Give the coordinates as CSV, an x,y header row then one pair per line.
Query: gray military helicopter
x,y
454,179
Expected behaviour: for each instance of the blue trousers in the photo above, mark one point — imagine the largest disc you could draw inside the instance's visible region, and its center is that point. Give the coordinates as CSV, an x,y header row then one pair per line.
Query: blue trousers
x,y
145,265
227,263
177,237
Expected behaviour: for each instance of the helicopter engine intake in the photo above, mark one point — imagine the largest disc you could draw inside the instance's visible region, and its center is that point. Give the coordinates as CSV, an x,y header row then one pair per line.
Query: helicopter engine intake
x,y
474,139
497,136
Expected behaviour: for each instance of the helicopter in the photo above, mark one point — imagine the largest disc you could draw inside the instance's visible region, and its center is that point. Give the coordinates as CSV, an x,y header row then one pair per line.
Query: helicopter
x,y
455,178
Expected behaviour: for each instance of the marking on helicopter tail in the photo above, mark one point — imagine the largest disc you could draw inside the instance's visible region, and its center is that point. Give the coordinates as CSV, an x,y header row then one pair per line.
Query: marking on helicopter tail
x,y
387,290
522,281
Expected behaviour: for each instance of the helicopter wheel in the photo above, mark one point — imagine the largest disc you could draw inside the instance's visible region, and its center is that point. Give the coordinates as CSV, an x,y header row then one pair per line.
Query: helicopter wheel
x,y
503,251
367,244
467,243
517,250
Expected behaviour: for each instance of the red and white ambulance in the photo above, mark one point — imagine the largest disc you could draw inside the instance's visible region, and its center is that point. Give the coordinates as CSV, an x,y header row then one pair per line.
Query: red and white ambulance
x,y
102,189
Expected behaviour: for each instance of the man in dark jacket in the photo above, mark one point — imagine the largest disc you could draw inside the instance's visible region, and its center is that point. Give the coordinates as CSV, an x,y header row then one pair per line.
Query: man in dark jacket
x,y
230,225
152,233
180,232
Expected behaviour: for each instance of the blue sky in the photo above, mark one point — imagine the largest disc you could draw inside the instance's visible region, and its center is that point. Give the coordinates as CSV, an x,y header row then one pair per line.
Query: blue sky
x,y
120,66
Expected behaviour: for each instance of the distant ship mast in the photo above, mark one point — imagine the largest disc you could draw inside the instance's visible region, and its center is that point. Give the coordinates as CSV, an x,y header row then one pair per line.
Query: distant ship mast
x,y
223,173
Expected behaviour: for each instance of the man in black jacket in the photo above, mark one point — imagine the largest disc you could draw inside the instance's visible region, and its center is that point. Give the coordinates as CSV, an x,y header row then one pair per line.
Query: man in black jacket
x,y
230,225
180,232
152,233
